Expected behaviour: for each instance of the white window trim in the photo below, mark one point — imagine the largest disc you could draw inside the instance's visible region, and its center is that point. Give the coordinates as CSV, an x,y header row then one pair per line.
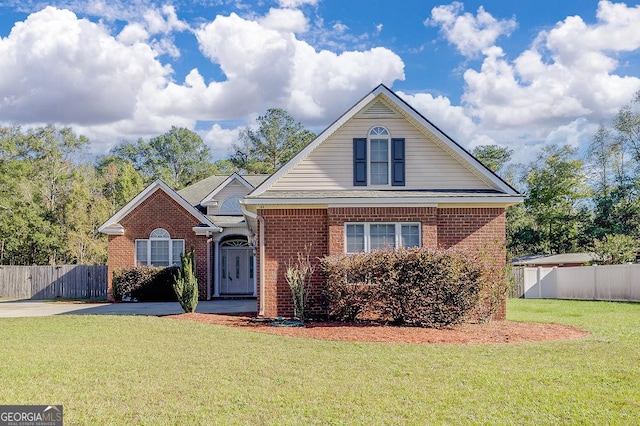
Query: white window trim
x,y
369,168
367,233
148,244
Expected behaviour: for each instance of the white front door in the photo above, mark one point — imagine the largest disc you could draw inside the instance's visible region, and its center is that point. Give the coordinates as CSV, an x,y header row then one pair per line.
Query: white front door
x,y
236,266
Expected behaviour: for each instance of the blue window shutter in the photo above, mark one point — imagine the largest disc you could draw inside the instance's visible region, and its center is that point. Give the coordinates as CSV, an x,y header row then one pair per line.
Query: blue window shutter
x,y
359,162
397,167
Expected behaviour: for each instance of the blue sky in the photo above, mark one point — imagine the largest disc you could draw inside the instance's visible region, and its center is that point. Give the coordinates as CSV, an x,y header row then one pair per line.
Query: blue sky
x,y
521,74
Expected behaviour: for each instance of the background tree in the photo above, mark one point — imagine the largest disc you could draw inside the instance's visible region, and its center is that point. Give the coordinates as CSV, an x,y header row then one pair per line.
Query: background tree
x,y
493,156
615,191
120,180
615,249
36,177
278,138
179,157
85,209
556,189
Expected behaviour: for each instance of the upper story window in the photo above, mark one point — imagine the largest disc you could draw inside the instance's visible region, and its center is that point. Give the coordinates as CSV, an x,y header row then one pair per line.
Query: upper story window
x,y
231,205
378,159
379,156
159,249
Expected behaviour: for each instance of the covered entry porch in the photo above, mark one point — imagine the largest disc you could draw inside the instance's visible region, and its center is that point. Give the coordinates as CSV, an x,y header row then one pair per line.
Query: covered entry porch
x,y
234,272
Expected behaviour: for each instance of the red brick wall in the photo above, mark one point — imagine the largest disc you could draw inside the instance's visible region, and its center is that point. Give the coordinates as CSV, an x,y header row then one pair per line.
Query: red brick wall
x,y
477,229
471,227
288,230
158,211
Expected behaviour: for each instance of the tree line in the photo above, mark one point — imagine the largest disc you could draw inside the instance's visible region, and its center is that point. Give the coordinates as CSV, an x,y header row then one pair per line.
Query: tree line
x,y
54,195
577,201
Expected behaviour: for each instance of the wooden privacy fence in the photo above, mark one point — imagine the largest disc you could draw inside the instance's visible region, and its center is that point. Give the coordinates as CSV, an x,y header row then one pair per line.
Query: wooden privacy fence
x,y
50,282
603,282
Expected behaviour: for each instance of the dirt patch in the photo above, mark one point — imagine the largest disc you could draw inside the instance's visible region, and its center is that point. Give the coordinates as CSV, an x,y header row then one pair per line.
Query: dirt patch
x,y
493,332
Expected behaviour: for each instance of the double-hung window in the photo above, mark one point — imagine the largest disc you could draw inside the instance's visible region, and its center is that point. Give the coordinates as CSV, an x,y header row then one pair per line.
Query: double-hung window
x,y
379,156
378,159
364,237
159,249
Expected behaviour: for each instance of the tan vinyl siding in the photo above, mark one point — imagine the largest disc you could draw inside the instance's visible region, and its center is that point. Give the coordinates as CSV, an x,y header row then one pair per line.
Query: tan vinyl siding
x,y
428,165
233,189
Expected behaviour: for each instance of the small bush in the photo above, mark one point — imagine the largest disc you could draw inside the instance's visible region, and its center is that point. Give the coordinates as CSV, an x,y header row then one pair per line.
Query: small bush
x,y
420,287
144,283
298,276
185,284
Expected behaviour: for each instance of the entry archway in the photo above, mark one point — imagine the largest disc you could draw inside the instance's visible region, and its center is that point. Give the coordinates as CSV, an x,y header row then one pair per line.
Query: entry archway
x,y
236,267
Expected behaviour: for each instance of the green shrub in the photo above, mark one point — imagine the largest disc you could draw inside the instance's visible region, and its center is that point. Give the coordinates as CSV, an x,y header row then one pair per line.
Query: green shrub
x,y
420,287
144,283
186,283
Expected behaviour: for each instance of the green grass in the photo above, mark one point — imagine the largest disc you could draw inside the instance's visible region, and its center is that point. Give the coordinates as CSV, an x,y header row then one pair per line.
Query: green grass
x,y
148,370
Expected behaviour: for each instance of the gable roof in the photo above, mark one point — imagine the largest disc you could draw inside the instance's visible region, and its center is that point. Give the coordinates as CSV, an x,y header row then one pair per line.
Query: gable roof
x,y
235,177
262,191
208,187
112,225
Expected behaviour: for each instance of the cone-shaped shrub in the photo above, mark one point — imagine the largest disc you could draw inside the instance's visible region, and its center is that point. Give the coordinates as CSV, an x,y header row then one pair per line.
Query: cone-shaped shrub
x,y
186,283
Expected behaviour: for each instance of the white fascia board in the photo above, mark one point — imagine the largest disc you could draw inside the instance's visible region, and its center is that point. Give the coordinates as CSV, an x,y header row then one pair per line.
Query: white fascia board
x,y
115,229
206,201
206,230
377,202
146,193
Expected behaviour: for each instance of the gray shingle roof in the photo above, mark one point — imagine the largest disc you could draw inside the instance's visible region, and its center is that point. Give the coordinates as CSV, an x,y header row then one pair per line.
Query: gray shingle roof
x,y
196,192
554,259
226,221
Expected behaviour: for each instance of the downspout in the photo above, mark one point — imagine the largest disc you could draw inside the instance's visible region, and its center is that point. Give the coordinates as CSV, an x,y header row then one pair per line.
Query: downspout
x,y
208,235
260,221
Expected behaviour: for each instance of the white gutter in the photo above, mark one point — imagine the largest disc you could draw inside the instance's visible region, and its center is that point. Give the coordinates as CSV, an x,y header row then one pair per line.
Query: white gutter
x,y
260,221
395,202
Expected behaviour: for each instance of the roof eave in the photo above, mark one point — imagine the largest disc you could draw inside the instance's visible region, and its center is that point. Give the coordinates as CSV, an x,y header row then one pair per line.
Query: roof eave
x,y
502,201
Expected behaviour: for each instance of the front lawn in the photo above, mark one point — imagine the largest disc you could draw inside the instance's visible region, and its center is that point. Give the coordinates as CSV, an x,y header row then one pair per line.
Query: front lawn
x,y
148,370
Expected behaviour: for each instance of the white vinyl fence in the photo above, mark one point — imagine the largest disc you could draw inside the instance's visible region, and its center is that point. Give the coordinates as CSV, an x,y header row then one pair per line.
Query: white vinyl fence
x,y
605,282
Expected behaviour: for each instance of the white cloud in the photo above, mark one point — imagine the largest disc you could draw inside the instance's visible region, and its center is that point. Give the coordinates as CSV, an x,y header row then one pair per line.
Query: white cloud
x,y
470,34
287,20
220,141
58,68
296,3
133,33
266,67
340,28
451,119
163,21
569,72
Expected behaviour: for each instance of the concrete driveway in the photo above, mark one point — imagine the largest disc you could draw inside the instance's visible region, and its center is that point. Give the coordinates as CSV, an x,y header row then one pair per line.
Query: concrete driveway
x,y
40,308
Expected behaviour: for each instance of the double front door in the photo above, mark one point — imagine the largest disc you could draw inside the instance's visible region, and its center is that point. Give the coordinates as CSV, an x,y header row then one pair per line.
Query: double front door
x,y
236,269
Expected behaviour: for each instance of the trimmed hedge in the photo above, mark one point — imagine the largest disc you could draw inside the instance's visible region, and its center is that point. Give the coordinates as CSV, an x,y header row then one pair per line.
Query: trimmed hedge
x,y
419,287
145,283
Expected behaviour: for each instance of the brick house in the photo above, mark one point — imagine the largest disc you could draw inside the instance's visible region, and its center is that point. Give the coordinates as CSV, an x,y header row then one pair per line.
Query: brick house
x,y
380,176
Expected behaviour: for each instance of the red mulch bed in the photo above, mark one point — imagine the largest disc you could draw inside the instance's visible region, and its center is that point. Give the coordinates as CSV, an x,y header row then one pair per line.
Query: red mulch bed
x,y
493,332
